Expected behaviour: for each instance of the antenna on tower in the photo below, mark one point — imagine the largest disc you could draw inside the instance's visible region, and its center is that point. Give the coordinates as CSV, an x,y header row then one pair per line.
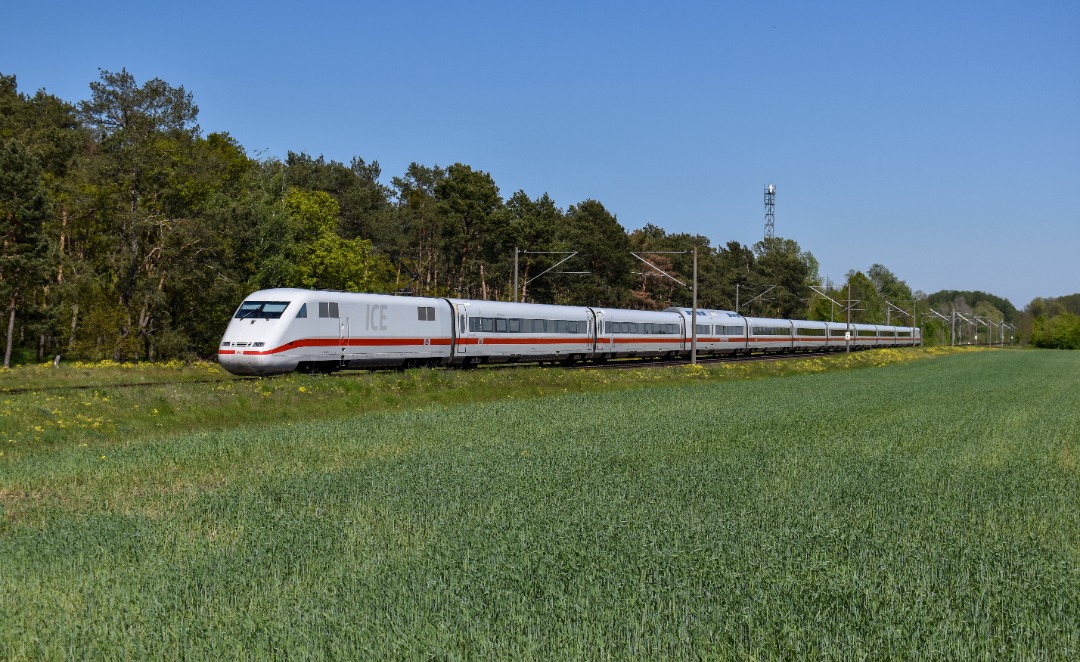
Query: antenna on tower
x,y
770,202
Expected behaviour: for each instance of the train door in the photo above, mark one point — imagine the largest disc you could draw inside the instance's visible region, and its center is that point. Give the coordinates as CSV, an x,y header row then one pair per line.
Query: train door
x,y
462,323
344,335
604,340
597,319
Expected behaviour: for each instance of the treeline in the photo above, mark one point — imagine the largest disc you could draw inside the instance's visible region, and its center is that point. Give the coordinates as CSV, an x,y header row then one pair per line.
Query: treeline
x,y
128,234
1055,322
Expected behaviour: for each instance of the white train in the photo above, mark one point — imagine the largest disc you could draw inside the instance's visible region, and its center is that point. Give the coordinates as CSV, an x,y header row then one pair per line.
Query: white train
x,y
282,330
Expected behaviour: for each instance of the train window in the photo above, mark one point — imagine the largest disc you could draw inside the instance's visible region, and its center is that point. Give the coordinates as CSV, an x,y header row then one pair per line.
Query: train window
x,y
809,332
328,309
772,331
838,333
425,314
500,326
733,330
903,334
703,329
302,313
514,325
482,324
867,333
266,310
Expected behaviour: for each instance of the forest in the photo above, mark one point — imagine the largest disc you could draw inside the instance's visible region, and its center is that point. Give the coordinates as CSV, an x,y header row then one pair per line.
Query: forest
x,y
128,234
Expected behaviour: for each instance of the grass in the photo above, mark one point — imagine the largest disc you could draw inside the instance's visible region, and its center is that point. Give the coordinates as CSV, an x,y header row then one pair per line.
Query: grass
x,y
923,509
100,406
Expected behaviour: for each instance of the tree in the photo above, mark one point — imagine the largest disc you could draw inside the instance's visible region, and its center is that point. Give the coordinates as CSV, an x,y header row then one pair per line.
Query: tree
x,y
474,232
210,251
604,251
1059,332
534,226
23,211
1040,320
673,253
121,111
50,133
320,257
417,248
888,285
136,190
893,291
737,273
867,306
966,301
363,202
782,263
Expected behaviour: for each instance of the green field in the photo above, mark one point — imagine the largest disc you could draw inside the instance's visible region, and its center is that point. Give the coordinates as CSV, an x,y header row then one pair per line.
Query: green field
x,y
925,508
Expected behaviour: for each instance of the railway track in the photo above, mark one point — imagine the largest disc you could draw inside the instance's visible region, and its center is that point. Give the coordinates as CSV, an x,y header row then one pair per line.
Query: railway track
x,y
624,364
617,364
121,385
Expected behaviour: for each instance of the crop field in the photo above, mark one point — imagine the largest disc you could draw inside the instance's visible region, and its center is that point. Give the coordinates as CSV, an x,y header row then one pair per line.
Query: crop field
x,y
919,509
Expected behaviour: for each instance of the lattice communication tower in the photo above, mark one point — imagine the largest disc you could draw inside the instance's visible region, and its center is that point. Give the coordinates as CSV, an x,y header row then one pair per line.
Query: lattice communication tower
x,y
770,202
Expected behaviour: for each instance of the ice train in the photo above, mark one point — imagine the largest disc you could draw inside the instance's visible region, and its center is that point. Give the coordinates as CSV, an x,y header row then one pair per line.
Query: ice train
x,y
282,330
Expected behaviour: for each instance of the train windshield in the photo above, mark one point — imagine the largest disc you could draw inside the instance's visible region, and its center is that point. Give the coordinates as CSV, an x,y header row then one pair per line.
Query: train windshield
x,y
266,310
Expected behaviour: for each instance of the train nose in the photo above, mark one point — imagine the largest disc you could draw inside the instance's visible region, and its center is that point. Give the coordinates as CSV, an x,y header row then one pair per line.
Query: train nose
x,y
253,359
236,362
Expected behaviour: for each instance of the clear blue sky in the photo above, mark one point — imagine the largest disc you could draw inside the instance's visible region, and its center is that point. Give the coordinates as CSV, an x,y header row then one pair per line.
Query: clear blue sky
x,y
941,139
